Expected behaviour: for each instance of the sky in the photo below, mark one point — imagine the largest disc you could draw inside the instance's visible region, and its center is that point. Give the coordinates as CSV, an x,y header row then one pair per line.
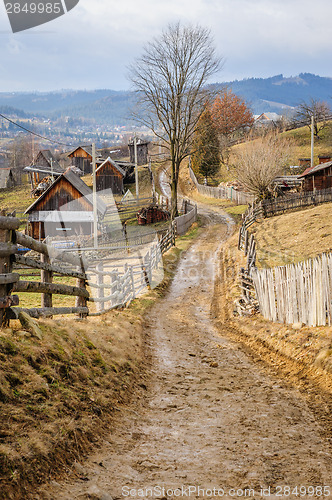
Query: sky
x,y
91,46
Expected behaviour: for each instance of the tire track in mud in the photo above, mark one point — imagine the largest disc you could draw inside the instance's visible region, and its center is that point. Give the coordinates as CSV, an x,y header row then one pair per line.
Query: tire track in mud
x,y
211,417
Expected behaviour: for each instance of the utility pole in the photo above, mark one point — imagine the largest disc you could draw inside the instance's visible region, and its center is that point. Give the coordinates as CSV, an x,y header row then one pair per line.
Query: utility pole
x,y
312,141
136,166
95,212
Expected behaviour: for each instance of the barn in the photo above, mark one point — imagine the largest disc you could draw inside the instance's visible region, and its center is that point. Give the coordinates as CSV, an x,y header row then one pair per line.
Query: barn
x,y
109,175
82,158
64,209
318,177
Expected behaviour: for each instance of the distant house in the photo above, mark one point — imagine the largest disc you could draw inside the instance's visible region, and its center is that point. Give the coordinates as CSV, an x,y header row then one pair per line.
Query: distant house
x,y
64,209
109,175
317,177
82,158
142,151
266,120
7,179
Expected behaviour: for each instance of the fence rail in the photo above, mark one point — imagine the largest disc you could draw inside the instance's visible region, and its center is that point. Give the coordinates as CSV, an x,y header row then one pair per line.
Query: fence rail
x,y
115,284
222,192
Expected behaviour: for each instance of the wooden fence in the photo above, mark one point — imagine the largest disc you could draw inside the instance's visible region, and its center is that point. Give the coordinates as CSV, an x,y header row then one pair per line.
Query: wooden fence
x,y
295,201
183,222
123,285
296,293
223,192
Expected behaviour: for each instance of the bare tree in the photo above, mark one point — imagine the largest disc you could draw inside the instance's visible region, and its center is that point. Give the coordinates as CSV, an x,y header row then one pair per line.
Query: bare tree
x,y
170,79
320,110
260,161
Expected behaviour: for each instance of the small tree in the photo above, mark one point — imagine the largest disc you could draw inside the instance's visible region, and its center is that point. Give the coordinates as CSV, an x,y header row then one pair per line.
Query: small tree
x,y
232,117
170,79
260,161
206,154
320,110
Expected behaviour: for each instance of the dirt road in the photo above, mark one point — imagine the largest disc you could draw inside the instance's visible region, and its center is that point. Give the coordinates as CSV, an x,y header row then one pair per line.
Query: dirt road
x,y
211,418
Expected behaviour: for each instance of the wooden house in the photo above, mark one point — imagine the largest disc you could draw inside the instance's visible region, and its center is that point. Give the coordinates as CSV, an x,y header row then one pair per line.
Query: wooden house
x,y
142,151
7,179
64,209
318,177
82,158
109,175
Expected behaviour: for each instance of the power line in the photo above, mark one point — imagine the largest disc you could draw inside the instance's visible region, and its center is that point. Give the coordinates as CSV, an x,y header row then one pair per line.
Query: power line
x,y
33,133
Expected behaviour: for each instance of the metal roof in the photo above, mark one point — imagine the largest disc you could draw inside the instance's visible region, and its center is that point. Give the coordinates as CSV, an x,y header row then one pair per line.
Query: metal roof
x,y
317,168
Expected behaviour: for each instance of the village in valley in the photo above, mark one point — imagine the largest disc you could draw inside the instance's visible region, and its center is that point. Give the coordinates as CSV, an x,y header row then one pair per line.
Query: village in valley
x,y
166,285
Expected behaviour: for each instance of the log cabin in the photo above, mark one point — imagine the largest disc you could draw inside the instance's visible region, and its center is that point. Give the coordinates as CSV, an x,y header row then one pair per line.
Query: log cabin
x,y
109,175
318,177
64,209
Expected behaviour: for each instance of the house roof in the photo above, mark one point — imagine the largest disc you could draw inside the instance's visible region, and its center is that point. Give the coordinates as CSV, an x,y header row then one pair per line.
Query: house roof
x,y
317,168
115,165
5,174
52,162
79,185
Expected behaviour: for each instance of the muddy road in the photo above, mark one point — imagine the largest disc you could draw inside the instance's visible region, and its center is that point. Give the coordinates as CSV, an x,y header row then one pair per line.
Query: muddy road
x,y
212,423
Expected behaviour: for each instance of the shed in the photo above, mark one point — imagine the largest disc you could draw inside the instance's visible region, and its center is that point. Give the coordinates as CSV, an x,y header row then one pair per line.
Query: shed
x,y
82,158
109,175
64,209
142,151
318,177
7,179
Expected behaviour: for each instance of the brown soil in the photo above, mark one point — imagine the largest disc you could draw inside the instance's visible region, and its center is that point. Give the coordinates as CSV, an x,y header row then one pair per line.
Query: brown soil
x,y
212,416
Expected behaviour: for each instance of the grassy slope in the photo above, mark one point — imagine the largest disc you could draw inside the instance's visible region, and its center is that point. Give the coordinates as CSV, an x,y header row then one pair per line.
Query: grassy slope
x,y
294,236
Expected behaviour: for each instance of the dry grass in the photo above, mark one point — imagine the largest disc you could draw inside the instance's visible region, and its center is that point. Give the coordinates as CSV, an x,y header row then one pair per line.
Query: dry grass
x,y
294,237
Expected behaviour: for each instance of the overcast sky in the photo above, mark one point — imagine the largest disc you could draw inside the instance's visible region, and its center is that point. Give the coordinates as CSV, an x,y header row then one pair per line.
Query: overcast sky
x,y
91,46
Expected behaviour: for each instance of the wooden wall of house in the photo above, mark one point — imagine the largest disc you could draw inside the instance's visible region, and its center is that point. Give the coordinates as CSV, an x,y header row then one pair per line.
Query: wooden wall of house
x,y
108,177
38,231
82,160
62,193
319,180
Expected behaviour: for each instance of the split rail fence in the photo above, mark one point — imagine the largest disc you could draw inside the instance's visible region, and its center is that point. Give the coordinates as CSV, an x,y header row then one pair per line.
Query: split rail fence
x,y
112,283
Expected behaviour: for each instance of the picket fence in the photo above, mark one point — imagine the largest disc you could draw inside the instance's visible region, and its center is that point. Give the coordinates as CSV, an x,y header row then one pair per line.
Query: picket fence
x,y
222,192
296,293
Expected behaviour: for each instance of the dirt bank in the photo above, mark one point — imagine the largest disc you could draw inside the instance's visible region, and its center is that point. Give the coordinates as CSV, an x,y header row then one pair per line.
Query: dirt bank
x,y
211,417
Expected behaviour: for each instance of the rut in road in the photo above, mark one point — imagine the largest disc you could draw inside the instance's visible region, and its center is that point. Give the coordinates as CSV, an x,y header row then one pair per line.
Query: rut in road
x,y
211,416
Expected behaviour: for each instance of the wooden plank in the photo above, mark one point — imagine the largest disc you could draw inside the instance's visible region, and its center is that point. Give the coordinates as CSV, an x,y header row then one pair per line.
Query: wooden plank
x,y
9,223
7,249
50,311
34,264
54,288
9,278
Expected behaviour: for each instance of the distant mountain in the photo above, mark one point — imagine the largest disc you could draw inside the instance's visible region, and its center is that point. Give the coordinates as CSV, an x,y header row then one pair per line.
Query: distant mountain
x,y
279,94
276,94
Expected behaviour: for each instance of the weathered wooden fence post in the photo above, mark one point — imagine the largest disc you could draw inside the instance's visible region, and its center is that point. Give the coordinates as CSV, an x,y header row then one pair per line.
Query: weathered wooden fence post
x,y
46,277
7,278
100,283
81,283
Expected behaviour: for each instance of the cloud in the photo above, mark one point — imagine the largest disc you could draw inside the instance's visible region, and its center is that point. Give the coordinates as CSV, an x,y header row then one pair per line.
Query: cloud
x,y
91,46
